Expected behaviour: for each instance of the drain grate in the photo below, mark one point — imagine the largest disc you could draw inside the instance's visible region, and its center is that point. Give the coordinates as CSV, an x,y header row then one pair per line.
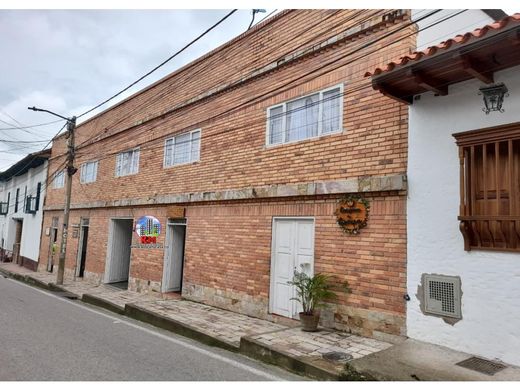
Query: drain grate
x,y
481,365
339,357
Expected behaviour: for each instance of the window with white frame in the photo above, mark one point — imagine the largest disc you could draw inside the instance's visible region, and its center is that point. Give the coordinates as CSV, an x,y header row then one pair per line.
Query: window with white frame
x,y
88,172
127,163
59,179
182,149
307,117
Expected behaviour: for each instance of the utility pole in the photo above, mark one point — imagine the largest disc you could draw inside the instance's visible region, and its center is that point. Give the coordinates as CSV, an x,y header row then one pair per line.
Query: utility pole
x,y
71,170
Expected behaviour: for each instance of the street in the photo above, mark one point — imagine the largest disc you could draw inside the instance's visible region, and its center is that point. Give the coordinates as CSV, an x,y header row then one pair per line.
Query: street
x,y
46,337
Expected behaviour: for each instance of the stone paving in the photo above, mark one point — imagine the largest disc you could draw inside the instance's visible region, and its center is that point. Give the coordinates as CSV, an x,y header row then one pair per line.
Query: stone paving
x,y
311,346
224,325
227,326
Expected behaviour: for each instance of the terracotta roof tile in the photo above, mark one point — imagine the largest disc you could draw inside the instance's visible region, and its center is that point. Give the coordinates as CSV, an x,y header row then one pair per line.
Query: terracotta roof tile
x,y
458,40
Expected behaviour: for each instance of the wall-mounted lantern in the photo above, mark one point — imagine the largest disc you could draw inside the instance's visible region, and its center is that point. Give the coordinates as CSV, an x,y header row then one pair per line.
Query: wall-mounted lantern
x,y
493,97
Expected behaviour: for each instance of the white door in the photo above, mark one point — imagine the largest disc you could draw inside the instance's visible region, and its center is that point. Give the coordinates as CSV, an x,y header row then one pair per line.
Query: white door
x,y
293,249
173,257
120,250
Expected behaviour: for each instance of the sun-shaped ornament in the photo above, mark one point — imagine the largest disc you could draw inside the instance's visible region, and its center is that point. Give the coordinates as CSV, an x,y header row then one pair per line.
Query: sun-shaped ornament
x,y
352,213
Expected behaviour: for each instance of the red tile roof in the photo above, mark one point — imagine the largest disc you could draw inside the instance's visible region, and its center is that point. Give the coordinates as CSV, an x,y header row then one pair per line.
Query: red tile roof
x,y
458,40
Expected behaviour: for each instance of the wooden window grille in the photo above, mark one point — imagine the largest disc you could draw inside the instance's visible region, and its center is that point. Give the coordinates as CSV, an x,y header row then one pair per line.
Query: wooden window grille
x,y
490,188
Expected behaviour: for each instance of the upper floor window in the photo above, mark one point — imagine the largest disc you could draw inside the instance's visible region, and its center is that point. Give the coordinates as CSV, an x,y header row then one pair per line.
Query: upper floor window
x,y
307,117
490,188
127,163
88,172
59,179
182,149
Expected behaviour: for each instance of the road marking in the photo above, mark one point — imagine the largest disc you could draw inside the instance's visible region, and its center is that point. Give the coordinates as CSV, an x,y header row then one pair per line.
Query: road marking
x,y
213,355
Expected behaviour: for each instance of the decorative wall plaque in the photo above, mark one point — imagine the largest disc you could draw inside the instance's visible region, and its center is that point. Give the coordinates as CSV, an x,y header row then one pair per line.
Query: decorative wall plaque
x,y
352,213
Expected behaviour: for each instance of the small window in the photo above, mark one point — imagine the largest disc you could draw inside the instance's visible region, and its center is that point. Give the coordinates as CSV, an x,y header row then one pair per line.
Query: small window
x,y
308,117
182,149
127,163
59,179
89,172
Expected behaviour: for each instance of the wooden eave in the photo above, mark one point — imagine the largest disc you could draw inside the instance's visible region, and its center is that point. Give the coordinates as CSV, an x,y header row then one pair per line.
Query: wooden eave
x,y
479,59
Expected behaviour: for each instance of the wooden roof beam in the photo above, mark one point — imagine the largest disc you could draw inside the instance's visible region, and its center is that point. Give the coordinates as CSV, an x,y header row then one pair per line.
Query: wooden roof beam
x,y
391,92
474,70
428,82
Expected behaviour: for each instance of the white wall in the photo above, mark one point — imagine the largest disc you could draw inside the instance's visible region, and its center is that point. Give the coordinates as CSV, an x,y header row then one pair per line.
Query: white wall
x,y
490,280
460,24
32,223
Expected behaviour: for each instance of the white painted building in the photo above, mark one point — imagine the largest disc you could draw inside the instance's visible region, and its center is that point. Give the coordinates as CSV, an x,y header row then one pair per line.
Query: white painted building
x,y
22,193
463,207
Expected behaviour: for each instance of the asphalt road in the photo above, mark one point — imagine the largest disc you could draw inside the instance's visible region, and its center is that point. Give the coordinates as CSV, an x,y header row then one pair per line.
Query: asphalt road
x,y
46,337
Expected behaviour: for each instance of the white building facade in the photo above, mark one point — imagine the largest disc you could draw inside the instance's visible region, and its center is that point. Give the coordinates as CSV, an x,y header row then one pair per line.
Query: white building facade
x,y
22,193
463,207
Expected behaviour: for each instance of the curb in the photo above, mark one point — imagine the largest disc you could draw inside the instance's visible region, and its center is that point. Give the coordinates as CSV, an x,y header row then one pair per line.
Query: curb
x,y
144,315
267,354
105,304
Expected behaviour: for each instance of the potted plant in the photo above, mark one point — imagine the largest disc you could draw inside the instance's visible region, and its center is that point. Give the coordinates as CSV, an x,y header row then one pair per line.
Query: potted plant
x,y
311,292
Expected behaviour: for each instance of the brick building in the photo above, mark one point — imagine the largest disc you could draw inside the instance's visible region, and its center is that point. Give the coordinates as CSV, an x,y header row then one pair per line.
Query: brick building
x,y
238,160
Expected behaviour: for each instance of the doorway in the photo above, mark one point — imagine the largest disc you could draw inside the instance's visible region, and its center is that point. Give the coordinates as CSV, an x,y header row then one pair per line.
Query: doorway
x,y
174,255
292,249
53,244
82,247
17,240
119,250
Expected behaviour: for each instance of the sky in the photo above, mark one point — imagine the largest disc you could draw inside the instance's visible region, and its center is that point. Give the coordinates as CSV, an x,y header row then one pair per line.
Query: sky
x,y
69,61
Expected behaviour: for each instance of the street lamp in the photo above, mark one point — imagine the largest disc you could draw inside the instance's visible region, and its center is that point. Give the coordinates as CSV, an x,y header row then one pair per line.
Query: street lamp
x,y
71,125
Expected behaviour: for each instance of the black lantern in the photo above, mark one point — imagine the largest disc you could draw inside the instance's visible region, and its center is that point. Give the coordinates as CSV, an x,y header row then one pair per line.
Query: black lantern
x,y
493,97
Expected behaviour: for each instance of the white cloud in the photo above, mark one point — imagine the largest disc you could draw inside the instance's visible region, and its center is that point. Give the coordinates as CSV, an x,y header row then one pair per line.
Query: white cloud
x,y
68,61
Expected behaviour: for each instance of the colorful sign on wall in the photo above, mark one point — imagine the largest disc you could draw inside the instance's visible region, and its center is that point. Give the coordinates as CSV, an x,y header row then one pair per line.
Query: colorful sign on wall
x,y
148,229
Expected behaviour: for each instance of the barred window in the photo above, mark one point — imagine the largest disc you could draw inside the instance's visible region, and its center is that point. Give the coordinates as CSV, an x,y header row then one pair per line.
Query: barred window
x,y
490,188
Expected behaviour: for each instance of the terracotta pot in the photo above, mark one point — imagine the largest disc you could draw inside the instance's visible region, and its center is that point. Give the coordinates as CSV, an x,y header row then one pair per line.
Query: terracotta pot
x,y
309,322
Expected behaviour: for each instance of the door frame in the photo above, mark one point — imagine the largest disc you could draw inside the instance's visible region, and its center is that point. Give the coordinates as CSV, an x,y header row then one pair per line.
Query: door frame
x,y
80,244
273,246
166,248
108,259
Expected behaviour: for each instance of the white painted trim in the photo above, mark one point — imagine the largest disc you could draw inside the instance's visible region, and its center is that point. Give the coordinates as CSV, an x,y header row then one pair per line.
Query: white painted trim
x,y
341,87
273,246
138,163
106,276
172,138
95,173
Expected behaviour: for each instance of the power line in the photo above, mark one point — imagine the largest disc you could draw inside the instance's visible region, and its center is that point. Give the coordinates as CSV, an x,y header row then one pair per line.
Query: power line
x,y
160,65
28,127
165,88
271,93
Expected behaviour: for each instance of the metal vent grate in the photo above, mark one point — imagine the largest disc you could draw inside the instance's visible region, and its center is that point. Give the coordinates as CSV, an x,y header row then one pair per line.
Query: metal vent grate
x,y
443,292
442,295
481,365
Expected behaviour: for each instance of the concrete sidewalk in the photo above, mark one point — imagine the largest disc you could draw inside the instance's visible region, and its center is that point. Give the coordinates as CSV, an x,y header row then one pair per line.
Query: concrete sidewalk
x,y
326,354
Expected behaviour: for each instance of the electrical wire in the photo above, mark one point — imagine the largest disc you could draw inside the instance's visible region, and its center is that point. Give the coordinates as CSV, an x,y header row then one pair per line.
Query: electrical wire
x,y
277,90
160,65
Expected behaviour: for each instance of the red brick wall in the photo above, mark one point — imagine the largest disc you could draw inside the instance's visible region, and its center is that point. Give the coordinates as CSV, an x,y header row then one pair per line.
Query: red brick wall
x,y
233,151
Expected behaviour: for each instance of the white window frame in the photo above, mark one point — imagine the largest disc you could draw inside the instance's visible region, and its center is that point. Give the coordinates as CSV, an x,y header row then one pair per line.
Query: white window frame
x,y
82,175
320,114
173,148
133,150
61,183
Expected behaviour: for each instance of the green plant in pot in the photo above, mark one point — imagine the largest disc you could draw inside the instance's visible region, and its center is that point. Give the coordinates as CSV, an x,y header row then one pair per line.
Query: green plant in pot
x,y
311,292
